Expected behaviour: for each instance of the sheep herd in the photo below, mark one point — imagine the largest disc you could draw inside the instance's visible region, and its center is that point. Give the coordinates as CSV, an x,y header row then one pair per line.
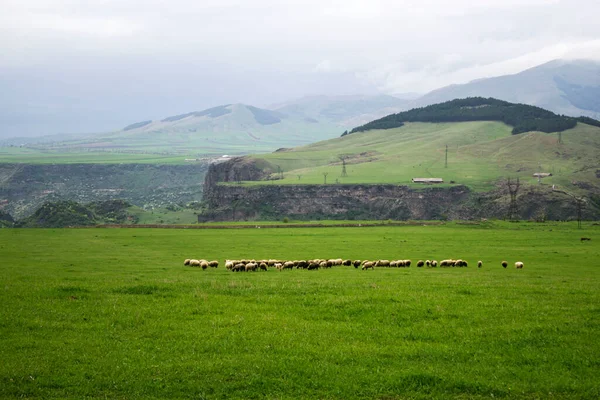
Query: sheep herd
x,y
204,264
318,263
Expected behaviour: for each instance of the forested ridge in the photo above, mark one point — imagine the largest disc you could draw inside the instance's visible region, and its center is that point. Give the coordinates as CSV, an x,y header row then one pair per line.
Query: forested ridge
x,y
522,117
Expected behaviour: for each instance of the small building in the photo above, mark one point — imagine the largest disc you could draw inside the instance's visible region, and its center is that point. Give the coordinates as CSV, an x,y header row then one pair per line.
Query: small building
x,y
542,174
427,180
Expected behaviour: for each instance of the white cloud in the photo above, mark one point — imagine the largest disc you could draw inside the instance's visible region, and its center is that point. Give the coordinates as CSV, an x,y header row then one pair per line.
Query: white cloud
x,y
396,45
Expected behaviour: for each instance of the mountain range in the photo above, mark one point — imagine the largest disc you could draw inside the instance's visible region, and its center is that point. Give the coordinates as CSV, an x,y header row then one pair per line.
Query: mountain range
x,y
564,87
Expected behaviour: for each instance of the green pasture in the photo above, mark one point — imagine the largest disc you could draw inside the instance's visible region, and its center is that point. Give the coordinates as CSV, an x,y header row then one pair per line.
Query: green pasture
x,y
36,156
113,313
163,216
479,154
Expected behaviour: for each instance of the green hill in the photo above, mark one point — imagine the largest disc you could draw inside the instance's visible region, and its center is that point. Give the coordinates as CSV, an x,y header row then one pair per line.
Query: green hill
x,y
522,117
480,153
70,213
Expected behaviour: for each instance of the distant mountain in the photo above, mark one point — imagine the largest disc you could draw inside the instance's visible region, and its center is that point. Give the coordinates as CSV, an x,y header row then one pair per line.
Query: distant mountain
x,y
229,128
345,111
240,128
564,87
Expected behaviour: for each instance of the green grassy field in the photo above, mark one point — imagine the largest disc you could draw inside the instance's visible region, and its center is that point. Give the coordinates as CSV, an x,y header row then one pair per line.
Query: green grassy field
x,y
479,154
163,216
34,156
113,313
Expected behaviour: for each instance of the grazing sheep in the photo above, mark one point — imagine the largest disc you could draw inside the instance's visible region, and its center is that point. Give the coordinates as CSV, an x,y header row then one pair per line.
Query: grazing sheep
x,y
479,264
518,265
187,261
434,263
323,264
399,263
504,264
213,264
368,264
204,264
347,263
251,266
238,267
420,263
194,263
263,266
407,263
382,263
428,263
356,263
313,266
446,263
229,264
288,265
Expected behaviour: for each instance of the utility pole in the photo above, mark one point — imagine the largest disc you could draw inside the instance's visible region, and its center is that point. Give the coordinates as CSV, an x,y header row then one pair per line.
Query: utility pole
x,y
344,173
513,190
446,163
579,204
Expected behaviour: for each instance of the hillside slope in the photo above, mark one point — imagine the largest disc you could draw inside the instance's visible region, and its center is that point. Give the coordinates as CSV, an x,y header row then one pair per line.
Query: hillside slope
x,y
522,117
564,87
480,154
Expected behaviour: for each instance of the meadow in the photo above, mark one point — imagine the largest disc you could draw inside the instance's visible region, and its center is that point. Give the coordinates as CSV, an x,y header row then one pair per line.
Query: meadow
x,y
113,313
26,155
479,154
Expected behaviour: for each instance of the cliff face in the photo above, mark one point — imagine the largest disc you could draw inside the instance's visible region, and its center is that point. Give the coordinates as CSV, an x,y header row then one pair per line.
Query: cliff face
x,y
25,187
236,170
232,202
229,202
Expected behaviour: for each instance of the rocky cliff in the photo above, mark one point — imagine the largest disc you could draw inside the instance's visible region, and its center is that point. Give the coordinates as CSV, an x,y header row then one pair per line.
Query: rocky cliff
x,y
25,187
354,202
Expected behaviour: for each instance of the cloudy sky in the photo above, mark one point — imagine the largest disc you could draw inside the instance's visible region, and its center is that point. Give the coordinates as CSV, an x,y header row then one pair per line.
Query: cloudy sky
x,y
97,65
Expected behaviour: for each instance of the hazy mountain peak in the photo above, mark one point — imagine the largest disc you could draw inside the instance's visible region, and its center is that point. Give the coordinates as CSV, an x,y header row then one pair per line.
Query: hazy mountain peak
x,y
570,87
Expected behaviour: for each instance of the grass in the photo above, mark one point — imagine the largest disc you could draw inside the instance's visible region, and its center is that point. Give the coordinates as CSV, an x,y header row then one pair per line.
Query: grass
x,y
35,156
163,216
479,154
112,313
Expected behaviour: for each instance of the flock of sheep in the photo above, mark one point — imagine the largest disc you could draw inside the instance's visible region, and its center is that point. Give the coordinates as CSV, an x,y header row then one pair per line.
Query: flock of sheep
x,y
201,263
263,265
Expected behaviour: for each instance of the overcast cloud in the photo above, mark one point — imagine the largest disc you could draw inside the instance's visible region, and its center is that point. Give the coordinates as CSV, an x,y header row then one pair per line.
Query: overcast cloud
x,y
84,66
